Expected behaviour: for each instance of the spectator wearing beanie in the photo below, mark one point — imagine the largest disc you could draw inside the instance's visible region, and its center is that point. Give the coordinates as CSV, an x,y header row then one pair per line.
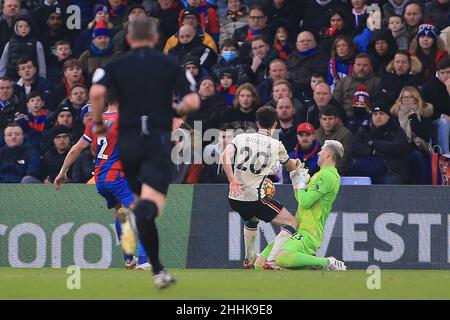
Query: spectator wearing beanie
x,y
64,115
191,17
192,63
53,159
361,109
402,71
100,51
55,30
429,48
84,39
380,148
120,42
191,44
226,89
381,50
209,20
40,13
22,43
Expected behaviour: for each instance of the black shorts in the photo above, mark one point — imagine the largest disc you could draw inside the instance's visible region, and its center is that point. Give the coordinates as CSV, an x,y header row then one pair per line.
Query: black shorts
x,y
265,209
146,159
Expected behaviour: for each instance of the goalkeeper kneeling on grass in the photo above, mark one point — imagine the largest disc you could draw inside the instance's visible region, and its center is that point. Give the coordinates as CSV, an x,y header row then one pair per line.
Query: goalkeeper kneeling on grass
x,y
315,198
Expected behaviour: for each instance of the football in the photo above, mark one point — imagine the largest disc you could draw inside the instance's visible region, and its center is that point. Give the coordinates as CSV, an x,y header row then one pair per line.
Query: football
x,y
268,188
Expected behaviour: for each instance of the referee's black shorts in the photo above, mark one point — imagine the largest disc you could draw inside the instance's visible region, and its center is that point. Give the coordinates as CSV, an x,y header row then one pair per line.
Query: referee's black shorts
x,y
265,209
146,159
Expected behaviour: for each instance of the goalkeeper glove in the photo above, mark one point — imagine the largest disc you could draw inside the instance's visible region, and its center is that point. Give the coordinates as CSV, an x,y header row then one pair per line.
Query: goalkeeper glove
x,y
299,178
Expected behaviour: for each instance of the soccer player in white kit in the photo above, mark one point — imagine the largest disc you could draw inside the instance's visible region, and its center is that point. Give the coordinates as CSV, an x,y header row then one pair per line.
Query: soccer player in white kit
x,y
254,156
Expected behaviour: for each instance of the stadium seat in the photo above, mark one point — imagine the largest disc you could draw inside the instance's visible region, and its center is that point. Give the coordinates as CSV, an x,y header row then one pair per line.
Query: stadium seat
x,y
361,181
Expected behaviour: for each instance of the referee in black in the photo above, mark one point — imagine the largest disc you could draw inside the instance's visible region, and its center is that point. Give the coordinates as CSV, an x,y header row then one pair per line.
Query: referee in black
x,y
144,81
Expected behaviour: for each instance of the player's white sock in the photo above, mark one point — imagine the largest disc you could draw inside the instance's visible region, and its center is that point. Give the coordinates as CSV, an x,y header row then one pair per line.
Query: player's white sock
x,y
280,239
249,240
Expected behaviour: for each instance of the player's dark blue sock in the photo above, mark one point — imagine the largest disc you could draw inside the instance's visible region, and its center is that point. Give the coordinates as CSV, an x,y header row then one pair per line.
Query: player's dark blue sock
x,y
145,212
119,234
143,257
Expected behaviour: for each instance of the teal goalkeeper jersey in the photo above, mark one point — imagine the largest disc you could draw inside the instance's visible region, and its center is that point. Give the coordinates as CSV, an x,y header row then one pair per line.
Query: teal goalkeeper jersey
x,y
315,203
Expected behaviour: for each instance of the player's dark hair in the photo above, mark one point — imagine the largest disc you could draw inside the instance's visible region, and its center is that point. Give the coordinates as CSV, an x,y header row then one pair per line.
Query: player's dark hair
x,y
328,111
142,28
266,117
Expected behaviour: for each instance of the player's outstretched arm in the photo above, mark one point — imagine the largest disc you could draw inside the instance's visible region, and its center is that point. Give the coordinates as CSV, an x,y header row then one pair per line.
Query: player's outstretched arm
x,y
71,157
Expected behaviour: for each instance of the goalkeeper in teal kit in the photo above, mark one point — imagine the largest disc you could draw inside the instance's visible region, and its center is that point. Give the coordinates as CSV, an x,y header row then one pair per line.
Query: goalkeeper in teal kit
x,y
315,200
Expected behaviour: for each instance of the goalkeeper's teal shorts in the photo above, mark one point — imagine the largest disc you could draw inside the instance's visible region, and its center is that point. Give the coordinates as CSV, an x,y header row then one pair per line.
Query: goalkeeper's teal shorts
x,y
299,242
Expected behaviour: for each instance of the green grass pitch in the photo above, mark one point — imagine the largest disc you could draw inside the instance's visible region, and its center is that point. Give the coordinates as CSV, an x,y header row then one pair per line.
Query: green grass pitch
x,y
224,284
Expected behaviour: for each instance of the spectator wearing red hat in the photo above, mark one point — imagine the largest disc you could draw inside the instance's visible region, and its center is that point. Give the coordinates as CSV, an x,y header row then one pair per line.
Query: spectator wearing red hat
x,y
100,51
306,149
331,129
